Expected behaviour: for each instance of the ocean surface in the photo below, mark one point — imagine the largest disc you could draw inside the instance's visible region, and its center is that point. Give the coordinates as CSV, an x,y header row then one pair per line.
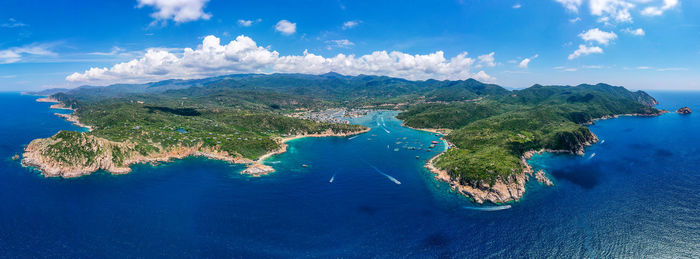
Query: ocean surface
x,y
636,194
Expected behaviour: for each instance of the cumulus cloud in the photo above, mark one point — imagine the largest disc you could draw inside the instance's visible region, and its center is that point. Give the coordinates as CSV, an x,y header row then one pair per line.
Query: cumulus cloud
x,y
597,35
243,55
286,27
584,50
248,23
16,54
656,11
571,5
635,32
487,60
617,10
350,24
526,61
179,11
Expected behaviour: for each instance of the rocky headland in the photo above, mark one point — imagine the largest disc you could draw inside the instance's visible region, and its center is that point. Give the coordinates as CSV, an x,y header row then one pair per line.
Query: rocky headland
x,y
511,188
72,154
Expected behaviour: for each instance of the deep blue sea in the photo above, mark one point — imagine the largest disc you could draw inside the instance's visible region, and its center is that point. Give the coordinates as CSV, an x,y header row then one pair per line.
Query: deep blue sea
x,y
637,194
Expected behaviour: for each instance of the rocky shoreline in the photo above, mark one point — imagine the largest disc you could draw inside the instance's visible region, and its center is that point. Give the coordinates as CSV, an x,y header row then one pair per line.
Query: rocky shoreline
x,y
33,157
506,190
606,117
72,118
33,154
502,191
513,188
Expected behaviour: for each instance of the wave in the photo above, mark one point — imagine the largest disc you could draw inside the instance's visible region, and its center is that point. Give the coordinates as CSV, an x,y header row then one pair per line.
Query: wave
x,y
489,208
385,175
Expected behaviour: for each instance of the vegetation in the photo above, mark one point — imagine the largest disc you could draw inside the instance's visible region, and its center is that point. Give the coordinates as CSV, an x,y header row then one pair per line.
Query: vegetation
x,y
243,114
491,135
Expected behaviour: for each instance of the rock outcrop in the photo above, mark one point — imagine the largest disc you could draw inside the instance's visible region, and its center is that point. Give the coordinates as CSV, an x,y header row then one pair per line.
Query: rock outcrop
x,y
258,169
684,110
541,177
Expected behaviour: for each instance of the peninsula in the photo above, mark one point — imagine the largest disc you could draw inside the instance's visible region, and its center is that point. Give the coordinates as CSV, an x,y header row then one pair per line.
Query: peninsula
x,y
491,131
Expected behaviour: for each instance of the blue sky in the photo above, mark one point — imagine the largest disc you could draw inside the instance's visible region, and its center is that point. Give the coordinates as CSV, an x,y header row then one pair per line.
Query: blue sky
x,y
640,44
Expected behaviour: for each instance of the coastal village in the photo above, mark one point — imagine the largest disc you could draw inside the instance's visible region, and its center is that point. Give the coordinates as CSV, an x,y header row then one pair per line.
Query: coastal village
x,y
335,115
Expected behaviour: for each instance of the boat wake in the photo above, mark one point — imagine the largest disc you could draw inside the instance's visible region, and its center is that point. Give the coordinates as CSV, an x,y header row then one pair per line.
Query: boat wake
x,y
592,155
332,178
353,137
602,141
385,175
387,131
490,208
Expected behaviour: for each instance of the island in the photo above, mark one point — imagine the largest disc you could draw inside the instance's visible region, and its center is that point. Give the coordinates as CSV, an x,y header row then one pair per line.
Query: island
x,y
684,111
491,132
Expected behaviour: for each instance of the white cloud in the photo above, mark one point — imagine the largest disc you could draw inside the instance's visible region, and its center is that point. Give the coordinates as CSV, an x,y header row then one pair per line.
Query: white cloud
x,y
656,11
344,43
248,23
584,50
575,20
12,23
487,60
571,5
286,27
635,32
177,10
517,6
350,24
617,10
525,62
597,35
610,12
672,69
16,54
243,55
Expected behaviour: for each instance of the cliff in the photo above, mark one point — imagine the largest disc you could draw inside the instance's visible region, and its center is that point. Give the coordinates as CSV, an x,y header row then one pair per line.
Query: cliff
x,y
72,154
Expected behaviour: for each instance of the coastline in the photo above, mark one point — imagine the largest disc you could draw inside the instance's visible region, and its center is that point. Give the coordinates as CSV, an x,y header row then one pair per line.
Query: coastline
x,y
72,118
32,156
257,168
513,188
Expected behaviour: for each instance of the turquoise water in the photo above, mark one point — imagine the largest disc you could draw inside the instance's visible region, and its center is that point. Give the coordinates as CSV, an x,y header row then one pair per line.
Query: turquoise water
x,y
637,197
